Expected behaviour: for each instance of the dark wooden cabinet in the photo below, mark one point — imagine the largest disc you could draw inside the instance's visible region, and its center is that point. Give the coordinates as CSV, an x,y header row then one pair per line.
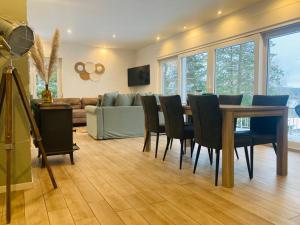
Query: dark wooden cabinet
x,y
56,128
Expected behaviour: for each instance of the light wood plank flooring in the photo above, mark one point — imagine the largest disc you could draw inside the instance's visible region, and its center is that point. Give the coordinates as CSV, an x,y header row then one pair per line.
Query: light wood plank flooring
x,y
113,182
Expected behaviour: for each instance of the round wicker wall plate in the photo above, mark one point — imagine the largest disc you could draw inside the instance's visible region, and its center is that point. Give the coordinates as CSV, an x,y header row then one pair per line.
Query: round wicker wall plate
x,y
99,68
84,75
95,77
79,67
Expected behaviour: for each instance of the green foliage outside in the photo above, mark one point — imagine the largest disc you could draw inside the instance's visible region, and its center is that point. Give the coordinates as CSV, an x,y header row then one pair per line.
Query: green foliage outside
x,y
170,78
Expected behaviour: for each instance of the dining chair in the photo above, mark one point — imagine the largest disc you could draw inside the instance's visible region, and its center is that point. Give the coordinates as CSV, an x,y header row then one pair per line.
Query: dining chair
x,y
231,100
174,123
207,118
152,123
263,130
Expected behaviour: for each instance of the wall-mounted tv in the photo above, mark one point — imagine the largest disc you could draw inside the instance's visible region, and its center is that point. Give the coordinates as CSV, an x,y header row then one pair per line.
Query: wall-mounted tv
x,y
138,76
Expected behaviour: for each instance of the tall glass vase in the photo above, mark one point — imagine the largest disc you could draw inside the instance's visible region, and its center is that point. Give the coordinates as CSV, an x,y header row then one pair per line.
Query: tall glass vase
x,y
46,95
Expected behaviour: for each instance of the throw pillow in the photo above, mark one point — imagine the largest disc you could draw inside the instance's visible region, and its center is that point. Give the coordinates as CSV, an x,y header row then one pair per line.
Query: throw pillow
x,y
137,100
124,100
109,99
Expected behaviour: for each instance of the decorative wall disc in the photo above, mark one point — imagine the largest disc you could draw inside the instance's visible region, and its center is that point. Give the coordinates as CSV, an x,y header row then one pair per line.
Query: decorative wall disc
x,y
89,70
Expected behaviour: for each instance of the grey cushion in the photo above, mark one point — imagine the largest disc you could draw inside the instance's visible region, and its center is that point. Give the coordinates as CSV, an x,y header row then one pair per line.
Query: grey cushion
x,y
108,99
124,100
137,100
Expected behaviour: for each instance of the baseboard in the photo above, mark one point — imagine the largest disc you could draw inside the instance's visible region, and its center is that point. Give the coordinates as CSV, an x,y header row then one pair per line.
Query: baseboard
x,y
17,187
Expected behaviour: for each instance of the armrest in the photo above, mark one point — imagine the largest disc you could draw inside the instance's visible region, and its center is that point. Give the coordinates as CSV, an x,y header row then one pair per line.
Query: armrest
x,y
91,109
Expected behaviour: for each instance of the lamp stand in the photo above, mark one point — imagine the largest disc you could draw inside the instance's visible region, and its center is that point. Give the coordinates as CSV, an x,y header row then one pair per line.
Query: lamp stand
x,y
8,76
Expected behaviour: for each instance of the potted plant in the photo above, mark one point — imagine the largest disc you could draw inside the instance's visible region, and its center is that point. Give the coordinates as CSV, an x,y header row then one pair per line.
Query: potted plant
x,y
37,54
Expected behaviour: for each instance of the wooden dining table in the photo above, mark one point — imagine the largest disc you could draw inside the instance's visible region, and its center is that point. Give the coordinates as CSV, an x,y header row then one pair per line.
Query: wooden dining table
x,y
230,112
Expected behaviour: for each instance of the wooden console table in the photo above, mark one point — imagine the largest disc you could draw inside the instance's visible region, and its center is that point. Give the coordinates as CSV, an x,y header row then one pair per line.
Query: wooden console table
x,y
55,124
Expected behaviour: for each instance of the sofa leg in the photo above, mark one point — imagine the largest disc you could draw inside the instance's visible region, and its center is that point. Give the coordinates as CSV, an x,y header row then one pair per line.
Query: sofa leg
x,y
72,158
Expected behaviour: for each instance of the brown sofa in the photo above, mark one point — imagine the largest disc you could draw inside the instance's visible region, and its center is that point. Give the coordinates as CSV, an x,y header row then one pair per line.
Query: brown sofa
x,y
78,105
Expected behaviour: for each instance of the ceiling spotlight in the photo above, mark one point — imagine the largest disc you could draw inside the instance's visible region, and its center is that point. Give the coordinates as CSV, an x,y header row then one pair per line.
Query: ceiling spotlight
x,y
69,31
219,12
158,38
114,35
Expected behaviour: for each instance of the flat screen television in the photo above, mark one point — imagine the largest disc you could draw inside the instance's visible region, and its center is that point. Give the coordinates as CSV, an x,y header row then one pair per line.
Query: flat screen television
x,y
138,76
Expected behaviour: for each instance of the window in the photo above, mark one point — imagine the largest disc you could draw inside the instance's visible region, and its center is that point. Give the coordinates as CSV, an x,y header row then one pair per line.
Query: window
x,y
234,70
284,73
169,69
38,85
194,73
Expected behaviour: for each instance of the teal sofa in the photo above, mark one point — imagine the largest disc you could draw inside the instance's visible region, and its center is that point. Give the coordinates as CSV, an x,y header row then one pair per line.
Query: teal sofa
x,y
110,122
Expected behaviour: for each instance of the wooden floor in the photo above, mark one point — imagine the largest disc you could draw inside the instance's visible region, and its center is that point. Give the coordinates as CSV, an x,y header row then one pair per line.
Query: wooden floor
x,y
113,182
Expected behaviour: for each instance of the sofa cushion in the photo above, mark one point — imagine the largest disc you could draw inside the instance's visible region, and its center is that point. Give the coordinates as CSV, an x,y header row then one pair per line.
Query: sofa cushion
x,y
79,113
109,99
99,100
124,100
75,103
137,100
88,101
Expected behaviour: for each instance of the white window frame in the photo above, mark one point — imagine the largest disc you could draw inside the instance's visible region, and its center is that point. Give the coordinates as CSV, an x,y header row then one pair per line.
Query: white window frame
x,y
32,88
180,68
257,67
171,59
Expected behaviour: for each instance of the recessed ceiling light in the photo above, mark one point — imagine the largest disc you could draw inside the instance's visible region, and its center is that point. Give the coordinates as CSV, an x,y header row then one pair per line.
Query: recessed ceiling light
x,y
114,35
219,12
185,27
158,38
69,31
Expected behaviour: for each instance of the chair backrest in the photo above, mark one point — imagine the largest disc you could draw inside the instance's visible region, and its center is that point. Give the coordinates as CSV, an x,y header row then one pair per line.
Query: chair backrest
x,y
297,109
207,120
266,125
151,112
173,113
230,99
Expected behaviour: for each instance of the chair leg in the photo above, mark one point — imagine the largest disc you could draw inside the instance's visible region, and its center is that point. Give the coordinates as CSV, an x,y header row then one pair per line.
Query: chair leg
x,y
247,160
192,147
184,146
167,147
210,155
252,159
197,157
181,152
217,166
171,143
146,140
236,153
275,147
156,148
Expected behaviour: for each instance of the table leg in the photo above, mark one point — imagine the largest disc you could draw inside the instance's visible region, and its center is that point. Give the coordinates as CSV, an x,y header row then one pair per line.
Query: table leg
x,y
282,144
228,150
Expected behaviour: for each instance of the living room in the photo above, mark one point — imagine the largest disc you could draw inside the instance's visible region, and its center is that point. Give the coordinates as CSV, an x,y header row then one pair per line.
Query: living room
x,y
149,112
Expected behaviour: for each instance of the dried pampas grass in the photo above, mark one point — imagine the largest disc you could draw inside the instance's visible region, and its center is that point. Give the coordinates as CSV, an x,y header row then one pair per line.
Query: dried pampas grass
x,y
54,52
37,54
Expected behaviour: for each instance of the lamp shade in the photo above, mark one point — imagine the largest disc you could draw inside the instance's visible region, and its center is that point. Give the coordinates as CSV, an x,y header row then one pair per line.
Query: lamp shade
x,y
20,37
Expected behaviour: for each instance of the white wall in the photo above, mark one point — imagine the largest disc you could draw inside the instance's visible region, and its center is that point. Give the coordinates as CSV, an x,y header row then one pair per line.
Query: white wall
x,y
116,62
251,20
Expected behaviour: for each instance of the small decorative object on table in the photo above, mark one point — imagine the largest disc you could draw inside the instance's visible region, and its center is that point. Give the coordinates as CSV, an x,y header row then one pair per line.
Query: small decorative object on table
x,y
37,54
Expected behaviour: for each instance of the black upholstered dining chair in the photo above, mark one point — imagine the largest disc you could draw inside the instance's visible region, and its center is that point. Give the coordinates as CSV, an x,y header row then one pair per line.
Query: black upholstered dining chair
x,y
297,110
263,130
207,119
152,119
231,100
174,123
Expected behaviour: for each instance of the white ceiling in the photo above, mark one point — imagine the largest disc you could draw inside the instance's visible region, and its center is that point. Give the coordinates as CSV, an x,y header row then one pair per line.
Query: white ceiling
x,y
136,23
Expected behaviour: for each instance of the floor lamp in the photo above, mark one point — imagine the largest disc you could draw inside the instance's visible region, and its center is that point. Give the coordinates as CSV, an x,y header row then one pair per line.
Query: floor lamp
x,y
15,40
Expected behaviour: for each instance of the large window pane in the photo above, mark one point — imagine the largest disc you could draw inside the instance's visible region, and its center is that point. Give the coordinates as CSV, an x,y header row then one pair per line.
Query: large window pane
x,y
235,70
169,70
194,73
235,66
284,74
